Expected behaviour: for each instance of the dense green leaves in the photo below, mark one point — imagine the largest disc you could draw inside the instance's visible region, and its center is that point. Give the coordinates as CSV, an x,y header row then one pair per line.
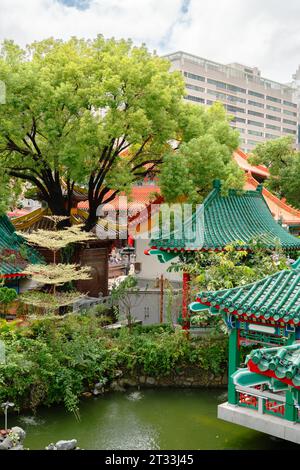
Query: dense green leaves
x,y
205,154
283,162
73,108
56,360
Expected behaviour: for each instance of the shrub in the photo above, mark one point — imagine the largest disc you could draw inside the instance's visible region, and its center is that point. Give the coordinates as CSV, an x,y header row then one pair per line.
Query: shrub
x,y
54,360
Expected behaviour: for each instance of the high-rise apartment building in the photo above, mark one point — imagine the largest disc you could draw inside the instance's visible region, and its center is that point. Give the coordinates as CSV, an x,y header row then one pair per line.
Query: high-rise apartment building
x,y
262,109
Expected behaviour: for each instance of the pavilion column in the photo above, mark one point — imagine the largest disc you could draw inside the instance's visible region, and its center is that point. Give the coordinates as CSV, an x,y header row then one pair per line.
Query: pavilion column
x,y
234,362
290,411
185,301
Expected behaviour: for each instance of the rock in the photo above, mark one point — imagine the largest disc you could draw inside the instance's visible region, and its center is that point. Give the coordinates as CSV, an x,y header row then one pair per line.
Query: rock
x,y
150,381
130,382
7,444
17,447
18,432
87,394
66,445
116,387
118,373
51,447
142,379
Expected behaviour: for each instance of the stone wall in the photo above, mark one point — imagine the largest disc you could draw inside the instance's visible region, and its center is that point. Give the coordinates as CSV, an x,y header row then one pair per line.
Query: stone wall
x,y
185,378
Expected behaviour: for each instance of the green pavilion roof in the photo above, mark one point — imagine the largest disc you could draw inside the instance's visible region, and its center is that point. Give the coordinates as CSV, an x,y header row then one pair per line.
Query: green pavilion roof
x,y
222,220
275,298
281,363
15,253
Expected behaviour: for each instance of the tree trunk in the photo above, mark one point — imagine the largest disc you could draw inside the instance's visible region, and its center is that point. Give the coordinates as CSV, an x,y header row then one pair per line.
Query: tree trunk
x,y
92,217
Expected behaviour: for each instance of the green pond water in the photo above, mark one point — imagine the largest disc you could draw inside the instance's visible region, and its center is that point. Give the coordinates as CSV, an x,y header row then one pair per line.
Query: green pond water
x,y
149,419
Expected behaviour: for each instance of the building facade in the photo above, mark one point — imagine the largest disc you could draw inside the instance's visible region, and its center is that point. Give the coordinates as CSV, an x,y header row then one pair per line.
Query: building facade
x,y
262,109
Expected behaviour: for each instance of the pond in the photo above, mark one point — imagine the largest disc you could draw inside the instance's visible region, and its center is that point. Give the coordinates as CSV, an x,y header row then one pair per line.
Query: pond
x,y
148,419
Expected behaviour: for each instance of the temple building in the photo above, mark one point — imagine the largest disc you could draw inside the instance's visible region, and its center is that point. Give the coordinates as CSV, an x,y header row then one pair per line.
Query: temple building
x,y
220,221
264,386
15,254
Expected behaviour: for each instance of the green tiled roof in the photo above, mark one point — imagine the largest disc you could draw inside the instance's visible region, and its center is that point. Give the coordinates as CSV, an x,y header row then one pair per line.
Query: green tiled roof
x,y
223,220
15,253
282,363
275,297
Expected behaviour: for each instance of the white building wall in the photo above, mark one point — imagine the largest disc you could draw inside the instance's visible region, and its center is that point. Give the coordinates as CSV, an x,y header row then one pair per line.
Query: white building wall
x,y
151,268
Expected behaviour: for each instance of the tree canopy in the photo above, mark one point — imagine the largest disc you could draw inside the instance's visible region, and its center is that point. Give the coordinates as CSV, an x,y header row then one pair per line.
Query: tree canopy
x,y
283,162
104,114
203,154
85,113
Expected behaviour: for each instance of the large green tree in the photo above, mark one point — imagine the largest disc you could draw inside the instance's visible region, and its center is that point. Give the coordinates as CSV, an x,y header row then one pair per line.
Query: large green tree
x,y
203,153
283,162
103,114
73,108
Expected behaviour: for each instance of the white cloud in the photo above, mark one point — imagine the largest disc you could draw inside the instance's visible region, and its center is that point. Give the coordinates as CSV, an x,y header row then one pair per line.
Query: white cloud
x,y
262,33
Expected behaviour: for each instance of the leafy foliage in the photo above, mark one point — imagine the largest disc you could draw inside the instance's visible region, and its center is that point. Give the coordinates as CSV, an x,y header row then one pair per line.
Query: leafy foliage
x,y
283,162
203,154
73,108
7,295
227,269
54,360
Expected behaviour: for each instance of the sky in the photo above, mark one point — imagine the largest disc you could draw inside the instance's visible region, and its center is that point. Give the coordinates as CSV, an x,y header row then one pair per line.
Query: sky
x,y
263,33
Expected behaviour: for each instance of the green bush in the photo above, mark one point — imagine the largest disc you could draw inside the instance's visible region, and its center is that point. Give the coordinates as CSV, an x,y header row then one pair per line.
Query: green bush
x,y
54,360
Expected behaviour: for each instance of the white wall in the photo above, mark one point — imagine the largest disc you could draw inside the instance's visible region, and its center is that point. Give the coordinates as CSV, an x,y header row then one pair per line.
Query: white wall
x,y
151,268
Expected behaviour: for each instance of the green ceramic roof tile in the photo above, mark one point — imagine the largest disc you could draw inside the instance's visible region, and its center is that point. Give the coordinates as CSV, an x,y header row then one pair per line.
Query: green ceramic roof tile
x,y
15,253
282,363
275,297
227,219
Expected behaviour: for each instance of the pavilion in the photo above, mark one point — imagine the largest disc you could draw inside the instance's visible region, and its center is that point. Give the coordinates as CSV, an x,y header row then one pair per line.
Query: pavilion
x,y
264,394
222,220
15,254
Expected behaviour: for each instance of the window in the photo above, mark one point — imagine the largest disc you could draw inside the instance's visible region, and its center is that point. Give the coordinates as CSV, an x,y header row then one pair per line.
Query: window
x,y
235,99
252,142
255,113
223,96
195,87
216,83
238,119
194,77
289,131
258,95
275,100
275,128
217,94
273,108
241,131
255,123
236,89
273,118
288,103
234,109
255,103
271,136
288,121
195,98
289,113
259,134
226,86
209,102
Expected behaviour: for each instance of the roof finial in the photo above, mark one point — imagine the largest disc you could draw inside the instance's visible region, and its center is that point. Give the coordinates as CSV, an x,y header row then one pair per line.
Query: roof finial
x,y
259,188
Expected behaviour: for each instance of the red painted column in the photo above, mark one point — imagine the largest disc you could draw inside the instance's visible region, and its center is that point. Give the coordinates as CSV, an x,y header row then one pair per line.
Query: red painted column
x,y
185,301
